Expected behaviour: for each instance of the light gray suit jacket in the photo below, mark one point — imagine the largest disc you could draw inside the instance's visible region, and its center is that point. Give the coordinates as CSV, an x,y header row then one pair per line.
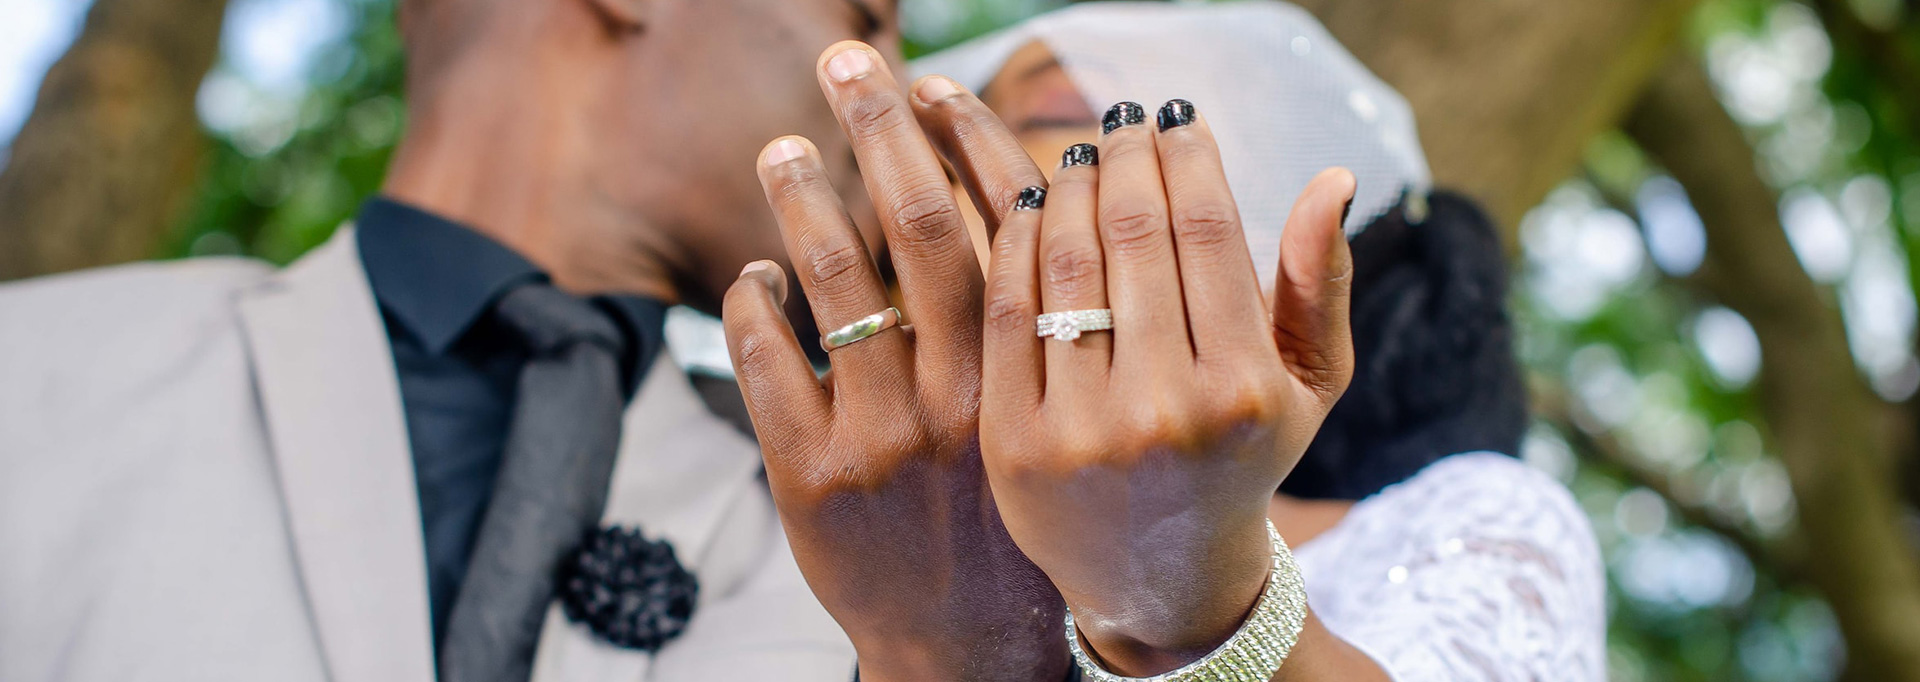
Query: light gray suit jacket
x,y
204,475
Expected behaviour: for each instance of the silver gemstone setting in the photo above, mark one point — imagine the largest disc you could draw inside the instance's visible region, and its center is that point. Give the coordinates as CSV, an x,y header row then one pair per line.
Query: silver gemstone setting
x,y
1071,324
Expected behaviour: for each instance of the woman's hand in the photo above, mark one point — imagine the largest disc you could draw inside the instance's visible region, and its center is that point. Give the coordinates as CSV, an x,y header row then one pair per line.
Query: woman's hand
x,y
1134,467
877,473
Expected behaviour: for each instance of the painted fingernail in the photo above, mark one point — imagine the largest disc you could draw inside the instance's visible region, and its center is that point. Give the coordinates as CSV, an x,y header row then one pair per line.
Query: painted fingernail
x,y
769,275
851,63
1346,212
1121,115
1031,199
1080,155
1176,113
936,88
782,151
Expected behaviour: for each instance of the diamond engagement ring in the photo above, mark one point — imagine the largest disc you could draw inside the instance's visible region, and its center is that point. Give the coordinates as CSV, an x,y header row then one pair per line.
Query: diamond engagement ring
x,y
1068,325
861,329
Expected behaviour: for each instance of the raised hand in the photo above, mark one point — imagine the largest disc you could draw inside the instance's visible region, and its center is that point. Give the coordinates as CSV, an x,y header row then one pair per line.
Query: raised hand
x,y
877,472
1135,466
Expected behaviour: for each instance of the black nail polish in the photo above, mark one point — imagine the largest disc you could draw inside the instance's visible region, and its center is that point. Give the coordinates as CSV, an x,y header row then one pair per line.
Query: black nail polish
x,y
1031,199
1346,212
1176,113
1121,115
1080,155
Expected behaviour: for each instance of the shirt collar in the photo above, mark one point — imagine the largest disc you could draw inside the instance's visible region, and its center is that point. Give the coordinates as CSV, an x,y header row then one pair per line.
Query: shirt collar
x,y
437,277
433,275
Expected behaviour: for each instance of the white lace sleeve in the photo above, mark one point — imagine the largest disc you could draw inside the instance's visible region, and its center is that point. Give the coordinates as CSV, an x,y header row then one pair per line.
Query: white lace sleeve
x,y
1479,569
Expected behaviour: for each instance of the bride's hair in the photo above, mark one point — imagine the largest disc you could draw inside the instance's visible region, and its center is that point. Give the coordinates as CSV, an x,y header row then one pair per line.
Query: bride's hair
x,y
1436,372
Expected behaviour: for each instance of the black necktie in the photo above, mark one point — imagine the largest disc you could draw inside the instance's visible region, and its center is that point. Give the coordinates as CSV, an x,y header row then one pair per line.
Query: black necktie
x,y
552,485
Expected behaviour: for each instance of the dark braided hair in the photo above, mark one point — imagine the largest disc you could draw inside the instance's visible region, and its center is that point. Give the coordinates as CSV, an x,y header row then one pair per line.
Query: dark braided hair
x,y
1436,372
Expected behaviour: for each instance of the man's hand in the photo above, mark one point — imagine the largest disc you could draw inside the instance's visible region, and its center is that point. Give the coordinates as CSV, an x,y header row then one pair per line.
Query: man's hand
x,y
877,472
1135,467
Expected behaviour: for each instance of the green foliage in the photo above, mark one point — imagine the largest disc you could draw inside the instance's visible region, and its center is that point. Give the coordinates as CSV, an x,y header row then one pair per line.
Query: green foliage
x,y
276,200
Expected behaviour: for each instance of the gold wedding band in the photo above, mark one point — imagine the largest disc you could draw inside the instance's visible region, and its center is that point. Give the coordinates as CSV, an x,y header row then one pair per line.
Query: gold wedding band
x,y
861,329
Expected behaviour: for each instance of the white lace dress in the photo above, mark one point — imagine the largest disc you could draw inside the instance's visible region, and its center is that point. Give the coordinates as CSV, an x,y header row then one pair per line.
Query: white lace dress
x,y
1478,569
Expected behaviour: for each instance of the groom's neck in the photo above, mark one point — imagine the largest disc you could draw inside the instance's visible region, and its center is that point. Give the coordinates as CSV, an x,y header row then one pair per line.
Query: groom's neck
x,y
511,154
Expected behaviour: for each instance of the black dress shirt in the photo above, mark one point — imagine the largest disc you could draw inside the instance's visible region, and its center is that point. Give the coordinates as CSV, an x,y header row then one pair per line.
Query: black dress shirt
x,y
436,282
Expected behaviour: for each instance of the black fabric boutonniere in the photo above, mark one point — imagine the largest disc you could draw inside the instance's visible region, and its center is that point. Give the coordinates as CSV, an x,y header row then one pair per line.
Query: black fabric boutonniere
x,y
629,590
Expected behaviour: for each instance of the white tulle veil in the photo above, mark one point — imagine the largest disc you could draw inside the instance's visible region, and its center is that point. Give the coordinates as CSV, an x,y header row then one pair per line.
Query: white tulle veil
x,y
1284,98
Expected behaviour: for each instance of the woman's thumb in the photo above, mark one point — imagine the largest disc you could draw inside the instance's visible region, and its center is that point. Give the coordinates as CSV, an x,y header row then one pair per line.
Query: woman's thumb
x,y
1314,287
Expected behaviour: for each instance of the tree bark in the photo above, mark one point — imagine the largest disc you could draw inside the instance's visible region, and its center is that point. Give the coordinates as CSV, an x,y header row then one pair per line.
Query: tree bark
x,y
111,150
1830,429
1509,92
1890,57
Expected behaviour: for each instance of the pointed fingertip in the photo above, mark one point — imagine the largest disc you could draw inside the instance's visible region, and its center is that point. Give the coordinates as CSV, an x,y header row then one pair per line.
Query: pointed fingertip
x,y
769,275
1342,180
934,89
1337,186
785,149
848,60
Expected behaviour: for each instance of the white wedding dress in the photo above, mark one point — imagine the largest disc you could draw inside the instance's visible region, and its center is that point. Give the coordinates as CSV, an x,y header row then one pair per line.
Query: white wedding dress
x,y
1477,569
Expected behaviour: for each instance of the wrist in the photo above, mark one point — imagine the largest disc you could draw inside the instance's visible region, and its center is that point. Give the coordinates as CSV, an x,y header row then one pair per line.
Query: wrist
x,y
1042,657
1322,656
1154,626
896,665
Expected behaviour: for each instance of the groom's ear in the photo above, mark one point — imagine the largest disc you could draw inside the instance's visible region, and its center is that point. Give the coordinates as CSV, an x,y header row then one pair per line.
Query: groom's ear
x,y
623,16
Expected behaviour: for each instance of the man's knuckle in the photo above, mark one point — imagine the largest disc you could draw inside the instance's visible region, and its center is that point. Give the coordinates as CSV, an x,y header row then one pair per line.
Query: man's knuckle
x,y
927,216
758,352
870,115
836,261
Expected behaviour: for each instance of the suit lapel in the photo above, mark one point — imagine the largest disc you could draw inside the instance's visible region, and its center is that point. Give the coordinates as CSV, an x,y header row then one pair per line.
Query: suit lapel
x,y
676,461
681,471
324,372
325,376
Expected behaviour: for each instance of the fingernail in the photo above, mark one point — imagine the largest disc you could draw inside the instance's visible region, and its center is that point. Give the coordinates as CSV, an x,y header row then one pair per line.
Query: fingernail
x,y
1031,199
849,64
936,88
1353,193
1080,155
1122,114
1175,113
770,277
783,151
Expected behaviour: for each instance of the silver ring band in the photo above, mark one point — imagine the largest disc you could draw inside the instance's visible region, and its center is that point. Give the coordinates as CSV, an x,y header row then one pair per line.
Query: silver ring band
x,y
1069,325
861,329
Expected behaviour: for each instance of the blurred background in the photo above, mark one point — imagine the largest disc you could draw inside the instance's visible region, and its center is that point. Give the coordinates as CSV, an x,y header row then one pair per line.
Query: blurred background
x,y
1711,208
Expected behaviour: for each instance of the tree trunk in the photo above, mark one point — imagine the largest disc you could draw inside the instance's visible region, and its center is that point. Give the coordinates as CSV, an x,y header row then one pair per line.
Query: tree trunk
x,y
112,148
1828,426
1509,92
